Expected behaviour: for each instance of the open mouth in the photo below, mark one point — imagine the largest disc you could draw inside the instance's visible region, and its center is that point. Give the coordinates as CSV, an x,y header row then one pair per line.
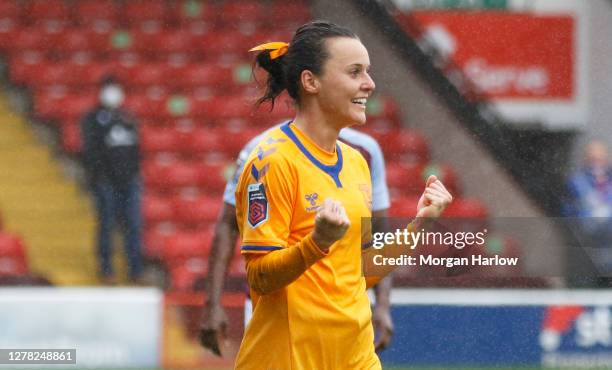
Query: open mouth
x,y
360,101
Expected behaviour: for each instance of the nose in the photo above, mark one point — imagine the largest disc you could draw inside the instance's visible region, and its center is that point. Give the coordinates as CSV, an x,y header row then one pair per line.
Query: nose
x,y
368,84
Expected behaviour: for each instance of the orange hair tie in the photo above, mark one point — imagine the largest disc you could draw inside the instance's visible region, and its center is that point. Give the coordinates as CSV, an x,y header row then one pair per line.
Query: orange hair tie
x,y
277,49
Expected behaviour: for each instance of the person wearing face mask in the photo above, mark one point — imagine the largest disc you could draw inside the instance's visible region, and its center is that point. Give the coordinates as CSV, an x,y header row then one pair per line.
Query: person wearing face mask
x,y
111,159
590,201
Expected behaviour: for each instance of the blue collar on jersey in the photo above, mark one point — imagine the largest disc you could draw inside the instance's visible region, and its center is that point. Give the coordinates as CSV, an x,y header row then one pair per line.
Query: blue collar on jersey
x,y
333,171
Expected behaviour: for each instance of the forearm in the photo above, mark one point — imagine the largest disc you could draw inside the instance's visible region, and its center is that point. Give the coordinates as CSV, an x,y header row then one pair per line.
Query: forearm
x,y
382,291
220,258
374,273
278,269
221,253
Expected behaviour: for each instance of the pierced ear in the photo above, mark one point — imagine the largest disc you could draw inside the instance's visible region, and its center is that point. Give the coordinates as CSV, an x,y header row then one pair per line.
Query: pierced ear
x,y
310,82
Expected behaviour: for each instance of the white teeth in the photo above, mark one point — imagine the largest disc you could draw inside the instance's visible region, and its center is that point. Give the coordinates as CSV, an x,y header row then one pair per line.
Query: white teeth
x,y
360,101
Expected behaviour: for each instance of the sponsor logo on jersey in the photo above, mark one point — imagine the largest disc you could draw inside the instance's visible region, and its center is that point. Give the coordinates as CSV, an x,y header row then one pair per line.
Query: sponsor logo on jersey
x,y
258,204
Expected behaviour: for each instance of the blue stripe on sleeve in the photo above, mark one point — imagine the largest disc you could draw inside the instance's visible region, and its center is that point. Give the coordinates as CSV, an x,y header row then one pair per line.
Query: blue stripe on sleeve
x,y
259,248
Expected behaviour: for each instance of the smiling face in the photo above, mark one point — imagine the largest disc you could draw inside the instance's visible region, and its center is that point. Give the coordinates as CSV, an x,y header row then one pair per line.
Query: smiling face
x,y
345,84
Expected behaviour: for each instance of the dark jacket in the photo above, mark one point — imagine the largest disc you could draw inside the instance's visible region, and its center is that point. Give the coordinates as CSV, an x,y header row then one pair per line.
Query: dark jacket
x,y
110,146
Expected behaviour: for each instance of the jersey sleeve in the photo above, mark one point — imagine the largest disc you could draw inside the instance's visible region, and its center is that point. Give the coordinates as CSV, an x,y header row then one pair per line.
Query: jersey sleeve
x,y
264,202
380,191
229,194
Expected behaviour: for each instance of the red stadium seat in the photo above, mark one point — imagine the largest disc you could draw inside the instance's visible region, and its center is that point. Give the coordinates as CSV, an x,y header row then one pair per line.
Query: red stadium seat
x,y
383,107
53,74
155,174
237,267
404,206
178,41
46,105
177,106
71,137
402,145
466,208
156,238
159,139
38,11
184,174
100,13
26,39
184,276
236,138
157,209
22,67
236,12
148,74
293,13
74,40
410,145
123,70
227,45
405,177
444,173
201,140
190,11
215,175
10,10
122,42
145,107
227,107
276,34
145,11
196,210
8,29
145,41
183,245
63,107
206,75
13,259
74,107
89,74
283,110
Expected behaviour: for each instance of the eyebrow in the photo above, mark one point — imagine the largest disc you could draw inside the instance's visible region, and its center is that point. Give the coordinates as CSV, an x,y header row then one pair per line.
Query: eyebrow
x,y
359,65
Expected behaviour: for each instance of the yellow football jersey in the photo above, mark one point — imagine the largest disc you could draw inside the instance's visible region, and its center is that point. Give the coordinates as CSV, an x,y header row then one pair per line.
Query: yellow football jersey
x,y
322,320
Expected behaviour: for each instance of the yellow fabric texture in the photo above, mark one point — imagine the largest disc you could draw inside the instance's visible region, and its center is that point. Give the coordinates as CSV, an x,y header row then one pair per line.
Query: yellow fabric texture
x,y
275,270
322,319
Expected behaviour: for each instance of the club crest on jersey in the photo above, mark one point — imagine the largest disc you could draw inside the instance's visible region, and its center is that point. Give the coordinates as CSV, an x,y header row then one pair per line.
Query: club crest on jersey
x,y
258,204
366,191
312,199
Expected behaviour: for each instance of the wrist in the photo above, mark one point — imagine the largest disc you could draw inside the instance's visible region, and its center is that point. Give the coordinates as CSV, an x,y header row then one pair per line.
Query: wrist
x,y
382,304
320,242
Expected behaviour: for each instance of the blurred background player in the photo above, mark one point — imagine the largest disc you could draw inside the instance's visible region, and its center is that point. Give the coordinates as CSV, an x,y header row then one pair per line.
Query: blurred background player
x,y
214,319
111,160
590,201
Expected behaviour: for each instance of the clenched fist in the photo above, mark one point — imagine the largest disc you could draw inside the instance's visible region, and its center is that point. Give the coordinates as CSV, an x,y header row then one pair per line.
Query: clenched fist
x,y
331,223
434,199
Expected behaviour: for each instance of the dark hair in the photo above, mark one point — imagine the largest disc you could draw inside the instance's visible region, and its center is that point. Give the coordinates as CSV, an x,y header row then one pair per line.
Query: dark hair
x,y
306,52
109,79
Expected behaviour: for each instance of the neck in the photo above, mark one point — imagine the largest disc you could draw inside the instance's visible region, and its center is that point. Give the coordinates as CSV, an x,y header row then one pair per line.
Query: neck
x,y
314,124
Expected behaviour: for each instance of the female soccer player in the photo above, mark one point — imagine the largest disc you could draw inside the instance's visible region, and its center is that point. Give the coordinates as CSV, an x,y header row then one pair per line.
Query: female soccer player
x,y
299,204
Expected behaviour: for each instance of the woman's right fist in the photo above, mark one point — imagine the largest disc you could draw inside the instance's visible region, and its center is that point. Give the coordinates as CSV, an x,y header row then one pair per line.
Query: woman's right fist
x,y
331,223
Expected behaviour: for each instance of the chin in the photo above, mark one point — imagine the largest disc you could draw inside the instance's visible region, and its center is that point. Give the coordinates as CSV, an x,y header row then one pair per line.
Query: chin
x,y
353,120
360,121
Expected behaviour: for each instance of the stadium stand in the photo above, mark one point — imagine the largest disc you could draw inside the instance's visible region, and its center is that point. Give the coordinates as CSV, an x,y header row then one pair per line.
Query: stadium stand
x,y
41,210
